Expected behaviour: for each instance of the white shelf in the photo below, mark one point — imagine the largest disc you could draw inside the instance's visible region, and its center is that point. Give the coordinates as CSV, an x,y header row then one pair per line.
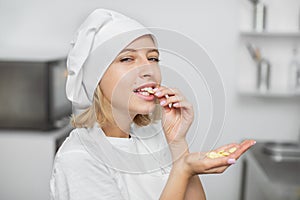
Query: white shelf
x,y
277,94
270,34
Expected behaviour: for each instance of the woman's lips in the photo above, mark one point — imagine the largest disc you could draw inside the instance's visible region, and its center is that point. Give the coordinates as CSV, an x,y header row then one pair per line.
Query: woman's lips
x,y
146,85
146,91
149,97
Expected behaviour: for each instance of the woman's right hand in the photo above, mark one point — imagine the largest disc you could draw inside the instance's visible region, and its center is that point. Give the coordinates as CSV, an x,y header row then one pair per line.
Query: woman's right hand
x,y
198,163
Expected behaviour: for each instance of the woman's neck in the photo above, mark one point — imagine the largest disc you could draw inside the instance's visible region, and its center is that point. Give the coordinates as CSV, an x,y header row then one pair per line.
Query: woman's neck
x,y
121,125
115,131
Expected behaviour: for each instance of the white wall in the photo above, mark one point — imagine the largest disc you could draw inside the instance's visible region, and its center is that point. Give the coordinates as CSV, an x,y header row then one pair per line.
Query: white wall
x,y
35,24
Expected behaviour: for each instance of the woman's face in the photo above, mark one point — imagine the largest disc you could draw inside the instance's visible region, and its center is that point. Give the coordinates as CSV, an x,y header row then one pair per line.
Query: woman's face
x,y
135,68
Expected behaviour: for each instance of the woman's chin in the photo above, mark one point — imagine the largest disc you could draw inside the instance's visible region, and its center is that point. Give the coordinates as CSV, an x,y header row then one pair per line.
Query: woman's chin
x,y
144,110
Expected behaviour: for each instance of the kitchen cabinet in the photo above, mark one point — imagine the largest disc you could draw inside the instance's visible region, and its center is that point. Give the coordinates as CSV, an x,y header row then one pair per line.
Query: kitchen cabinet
x,y
266,178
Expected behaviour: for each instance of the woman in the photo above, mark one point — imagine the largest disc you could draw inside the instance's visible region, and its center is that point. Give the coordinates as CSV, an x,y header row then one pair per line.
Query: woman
x,y
114,82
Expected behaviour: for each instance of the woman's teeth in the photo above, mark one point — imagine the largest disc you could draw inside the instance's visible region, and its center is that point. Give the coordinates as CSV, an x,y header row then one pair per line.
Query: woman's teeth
x,y
146,91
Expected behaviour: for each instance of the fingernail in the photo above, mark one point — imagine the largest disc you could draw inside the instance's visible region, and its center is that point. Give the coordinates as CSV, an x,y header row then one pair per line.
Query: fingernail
x,y
155,89
157,93
231,161
254,143
162,103
176,104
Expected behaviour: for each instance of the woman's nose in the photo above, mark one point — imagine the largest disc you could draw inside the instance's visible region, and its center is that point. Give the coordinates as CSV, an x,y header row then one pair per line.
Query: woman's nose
x,y
143,61
146,68
146,71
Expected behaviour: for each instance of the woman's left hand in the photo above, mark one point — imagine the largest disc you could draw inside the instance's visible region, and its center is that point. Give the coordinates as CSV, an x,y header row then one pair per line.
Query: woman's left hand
x,y
177,119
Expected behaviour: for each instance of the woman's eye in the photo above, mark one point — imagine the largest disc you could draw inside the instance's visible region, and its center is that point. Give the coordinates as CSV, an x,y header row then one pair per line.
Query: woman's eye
x,y
126,60
154,59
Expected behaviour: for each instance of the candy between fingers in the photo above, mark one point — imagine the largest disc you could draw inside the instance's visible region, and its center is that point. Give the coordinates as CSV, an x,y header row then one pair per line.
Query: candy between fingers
x,y
170,104
150,90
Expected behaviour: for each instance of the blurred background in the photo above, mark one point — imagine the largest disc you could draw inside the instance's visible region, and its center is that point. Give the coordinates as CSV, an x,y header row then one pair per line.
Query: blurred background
x,y
254,44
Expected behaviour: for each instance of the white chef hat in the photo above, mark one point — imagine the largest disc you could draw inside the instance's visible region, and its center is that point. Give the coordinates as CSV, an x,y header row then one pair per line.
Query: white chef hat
x,y
97,43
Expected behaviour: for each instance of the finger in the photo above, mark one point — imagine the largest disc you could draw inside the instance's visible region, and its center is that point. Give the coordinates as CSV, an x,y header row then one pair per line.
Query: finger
x,y
232,151
243,147
206,165
161,88
168,96
222,151
163,102
163,91
183,104
171,100
226,147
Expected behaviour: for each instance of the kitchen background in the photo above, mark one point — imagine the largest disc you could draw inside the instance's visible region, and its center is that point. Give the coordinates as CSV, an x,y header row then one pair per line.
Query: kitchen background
x,y
45,28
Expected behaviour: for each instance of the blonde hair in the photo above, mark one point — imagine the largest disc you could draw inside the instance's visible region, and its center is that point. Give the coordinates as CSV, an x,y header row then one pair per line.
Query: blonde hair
x,y
100,112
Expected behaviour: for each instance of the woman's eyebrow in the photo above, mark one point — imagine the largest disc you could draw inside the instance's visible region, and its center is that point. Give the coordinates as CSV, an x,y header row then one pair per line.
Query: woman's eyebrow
x,y
153,50
135,50
125,50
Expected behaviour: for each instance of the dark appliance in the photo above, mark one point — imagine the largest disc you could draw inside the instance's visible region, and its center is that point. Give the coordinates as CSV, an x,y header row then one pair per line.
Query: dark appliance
x,y
32,93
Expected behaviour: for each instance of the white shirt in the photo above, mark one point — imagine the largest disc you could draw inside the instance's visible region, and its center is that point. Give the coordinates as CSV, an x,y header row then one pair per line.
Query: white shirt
x,y
85,170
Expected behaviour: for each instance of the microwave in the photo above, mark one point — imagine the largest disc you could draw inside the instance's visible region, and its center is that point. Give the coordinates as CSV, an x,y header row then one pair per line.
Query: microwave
x,y
32,93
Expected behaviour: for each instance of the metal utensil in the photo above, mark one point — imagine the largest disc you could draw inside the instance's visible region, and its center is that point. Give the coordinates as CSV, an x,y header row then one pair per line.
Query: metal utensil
x,y
254,52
